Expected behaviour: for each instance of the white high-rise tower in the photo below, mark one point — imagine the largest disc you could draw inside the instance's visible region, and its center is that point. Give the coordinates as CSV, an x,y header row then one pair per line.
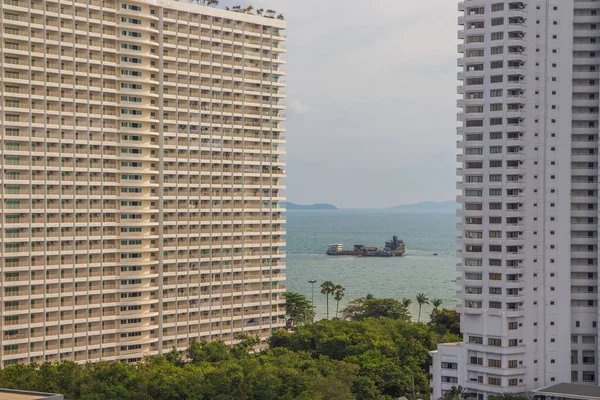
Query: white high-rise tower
x,y
528,149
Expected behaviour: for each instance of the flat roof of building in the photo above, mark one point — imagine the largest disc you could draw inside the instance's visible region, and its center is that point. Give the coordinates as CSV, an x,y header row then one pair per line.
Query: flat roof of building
x,y
571,390
8,394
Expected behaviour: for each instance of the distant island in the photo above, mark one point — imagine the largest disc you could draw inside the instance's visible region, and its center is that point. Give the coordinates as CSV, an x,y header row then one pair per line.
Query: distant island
x,y
317,206
444,207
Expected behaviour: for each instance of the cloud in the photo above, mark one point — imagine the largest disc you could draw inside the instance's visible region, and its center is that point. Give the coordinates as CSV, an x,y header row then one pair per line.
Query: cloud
x,y
372,100
298,107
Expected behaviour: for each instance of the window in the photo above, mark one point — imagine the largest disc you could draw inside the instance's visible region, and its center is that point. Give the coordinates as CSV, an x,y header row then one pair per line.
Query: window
x,y
476,339
449,365
497,7
494,363
495,291
513,326
449,379
588,376
476,361
494,381
494,342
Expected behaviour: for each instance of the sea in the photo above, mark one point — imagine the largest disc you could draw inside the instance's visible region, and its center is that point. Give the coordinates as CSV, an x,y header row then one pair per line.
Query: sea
x,y
420,270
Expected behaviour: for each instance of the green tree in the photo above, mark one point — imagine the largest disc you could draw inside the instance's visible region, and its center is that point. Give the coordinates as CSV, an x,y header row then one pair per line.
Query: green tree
x,y
421,299
445,320
455,393
270,13
199,352
363,308
281,17
260,11
406,302
436,303
509,396
298,308
338,294
327,288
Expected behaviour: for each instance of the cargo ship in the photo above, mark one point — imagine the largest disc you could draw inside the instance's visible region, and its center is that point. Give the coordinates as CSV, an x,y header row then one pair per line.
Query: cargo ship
x,y
393,248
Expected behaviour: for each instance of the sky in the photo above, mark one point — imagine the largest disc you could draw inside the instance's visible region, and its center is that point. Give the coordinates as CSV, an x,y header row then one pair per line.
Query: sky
x,y
371,118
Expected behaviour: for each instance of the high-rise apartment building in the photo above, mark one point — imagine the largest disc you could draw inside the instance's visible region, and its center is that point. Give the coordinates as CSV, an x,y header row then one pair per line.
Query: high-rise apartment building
x,y
528,181
142,161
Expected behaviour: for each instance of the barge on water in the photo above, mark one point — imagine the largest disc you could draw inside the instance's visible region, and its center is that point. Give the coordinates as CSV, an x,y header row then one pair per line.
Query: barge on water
x,y
393,248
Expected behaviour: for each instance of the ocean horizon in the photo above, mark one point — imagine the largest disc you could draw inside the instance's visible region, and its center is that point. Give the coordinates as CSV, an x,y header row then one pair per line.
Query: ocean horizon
x,y
309,232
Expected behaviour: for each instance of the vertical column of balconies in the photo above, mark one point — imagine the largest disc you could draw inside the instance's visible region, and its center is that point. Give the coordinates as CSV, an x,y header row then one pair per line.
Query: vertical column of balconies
x,y
138,181
16,156
181,277
274,150
492,184
584,194
93,168
103,167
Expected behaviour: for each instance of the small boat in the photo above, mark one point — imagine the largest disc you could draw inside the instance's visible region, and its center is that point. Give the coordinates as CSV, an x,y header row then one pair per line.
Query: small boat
x,y
435,254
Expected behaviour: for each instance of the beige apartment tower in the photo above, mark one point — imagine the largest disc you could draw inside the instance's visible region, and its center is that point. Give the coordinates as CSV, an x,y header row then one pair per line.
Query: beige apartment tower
x,y
142,149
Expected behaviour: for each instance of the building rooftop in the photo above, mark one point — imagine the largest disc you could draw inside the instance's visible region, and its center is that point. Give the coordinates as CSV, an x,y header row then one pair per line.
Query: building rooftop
x,y
571,390
8,394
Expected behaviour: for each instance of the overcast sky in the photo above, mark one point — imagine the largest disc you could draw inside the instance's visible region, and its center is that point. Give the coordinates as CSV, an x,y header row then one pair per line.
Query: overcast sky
x,y
371,100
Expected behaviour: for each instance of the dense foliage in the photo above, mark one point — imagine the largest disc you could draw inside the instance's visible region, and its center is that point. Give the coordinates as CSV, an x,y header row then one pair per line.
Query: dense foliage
x,y
376,356
370,307
389,353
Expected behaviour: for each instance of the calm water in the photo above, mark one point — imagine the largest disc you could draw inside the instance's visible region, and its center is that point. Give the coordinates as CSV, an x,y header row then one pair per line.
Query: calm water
x,y
310,232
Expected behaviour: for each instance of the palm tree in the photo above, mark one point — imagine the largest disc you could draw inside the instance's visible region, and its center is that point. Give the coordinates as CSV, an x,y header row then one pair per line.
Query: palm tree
x,y
327,288
249,10
406,302
260,11
436,303
369,296
236,8
280,16
455,393
208,2
338,294
270,13
421,299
